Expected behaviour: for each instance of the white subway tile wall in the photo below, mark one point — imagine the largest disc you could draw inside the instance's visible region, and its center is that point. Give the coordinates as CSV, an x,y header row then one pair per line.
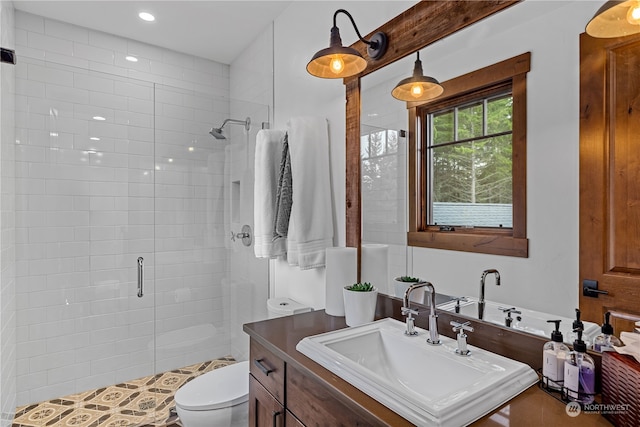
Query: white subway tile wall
x,y
8,330
92,195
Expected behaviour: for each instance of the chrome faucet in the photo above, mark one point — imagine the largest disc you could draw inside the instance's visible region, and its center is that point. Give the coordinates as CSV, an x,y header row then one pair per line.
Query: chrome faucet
x,y
481,301
434,338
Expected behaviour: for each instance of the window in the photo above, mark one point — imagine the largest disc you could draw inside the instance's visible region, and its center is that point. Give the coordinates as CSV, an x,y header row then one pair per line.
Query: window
x,y
384,180
468,163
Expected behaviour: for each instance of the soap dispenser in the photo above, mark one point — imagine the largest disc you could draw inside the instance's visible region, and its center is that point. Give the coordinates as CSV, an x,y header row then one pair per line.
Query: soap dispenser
x,y
554,354
579,373
577,324
606,340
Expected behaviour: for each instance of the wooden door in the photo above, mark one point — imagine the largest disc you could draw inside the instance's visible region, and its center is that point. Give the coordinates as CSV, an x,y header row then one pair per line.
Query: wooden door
x,y
610,177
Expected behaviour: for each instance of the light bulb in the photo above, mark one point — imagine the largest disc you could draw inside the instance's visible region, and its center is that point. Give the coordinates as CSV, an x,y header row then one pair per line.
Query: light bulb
x,y
416,90
336,64
633,15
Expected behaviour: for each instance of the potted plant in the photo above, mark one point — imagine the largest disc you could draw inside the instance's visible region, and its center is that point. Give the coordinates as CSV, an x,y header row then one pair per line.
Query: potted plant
x,y
402,283
359,303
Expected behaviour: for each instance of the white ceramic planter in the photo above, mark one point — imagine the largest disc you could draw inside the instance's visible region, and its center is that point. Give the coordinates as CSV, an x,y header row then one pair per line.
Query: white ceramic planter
x,y
401,287
359,307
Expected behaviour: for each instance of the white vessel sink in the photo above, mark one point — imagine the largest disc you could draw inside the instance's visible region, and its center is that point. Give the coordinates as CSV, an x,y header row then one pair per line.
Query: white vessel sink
x,y
428,385
534,322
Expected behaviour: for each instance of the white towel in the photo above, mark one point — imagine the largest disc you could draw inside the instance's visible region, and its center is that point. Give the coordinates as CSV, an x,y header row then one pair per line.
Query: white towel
x,y
311,223
267,168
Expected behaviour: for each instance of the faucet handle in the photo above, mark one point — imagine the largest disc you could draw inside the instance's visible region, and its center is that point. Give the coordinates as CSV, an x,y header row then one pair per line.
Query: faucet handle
x,y
509,320
409,311
460,327
462,337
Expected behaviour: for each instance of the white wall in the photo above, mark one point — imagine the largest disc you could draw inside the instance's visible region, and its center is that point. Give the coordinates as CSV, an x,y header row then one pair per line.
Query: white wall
x,y
7,222
550,30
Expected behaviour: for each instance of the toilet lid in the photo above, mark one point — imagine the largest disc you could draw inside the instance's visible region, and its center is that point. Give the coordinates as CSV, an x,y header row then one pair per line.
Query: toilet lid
x,y
286,306
220,388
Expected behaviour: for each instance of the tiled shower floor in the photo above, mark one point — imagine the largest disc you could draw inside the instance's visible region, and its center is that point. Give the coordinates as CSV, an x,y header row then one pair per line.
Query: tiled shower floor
x,y
143,402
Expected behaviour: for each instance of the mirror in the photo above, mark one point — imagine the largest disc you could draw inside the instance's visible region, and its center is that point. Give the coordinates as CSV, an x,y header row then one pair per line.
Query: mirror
x,y
367,227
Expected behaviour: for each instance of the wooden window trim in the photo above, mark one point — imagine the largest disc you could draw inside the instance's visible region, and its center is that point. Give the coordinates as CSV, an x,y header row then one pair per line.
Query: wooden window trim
x,y
508,242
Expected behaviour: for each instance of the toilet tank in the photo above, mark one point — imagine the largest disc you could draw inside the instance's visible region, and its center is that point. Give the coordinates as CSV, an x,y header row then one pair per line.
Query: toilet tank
x,y
278,307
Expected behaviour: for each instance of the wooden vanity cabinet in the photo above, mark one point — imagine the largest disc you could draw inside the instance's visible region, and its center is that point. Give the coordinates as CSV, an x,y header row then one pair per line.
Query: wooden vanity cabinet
x,y
282,396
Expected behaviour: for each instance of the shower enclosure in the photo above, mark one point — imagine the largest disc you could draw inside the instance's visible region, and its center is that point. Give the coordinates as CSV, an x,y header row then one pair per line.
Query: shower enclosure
x,y
125,206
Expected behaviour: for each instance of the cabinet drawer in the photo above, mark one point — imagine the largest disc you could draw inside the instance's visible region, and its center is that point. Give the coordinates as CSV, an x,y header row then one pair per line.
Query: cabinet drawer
x,y
268,369
313,405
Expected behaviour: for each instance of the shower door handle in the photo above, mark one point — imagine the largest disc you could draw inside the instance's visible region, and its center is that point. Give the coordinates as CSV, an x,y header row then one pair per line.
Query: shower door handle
x,y
140,276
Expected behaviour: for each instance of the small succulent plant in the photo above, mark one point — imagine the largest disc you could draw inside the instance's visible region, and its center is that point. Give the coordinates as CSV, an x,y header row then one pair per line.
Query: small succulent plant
x,y
361,287
408,279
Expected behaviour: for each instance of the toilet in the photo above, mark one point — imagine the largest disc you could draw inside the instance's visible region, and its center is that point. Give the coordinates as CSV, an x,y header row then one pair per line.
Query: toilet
x,y
279,307
218,398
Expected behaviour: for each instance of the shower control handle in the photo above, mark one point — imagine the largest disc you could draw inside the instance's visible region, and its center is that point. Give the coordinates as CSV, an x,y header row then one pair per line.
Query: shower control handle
x,y
140,276
245,235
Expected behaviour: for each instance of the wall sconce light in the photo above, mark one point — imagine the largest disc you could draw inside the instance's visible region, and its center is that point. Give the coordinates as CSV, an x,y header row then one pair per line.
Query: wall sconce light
x,y
337,61
417,87
615,18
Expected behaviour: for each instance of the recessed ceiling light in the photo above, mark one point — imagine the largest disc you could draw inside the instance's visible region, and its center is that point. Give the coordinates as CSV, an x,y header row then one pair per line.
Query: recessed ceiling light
x,y
99,118
131,58
94,138
191,148
146,16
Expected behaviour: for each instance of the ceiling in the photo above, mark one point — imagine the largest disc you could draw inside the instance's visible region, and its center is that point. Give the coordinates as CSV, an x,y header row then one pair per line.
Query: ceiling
x,y
216,30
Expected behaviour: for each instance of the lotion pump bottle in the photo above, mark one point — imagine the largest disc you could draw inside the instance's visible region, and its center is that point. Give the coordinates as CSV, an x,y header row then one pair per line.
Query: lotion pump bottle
x,y
579,373
554,354
606,340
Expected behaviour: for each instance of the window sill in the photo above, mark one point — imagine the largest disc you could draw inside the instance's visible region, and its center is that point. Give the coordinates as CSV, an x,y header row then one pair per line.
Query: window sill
x,y
493,244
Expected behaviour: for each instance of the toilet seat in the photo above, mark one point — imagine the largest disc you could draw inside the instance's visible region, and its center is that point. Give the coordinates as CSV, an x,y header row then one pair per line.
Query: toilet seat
x,y
221,388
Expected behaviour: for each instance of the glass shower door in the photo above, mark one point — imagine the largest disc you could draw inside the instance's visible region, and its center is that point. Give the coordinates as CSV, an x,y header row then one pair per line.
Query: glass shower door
x,y
84,217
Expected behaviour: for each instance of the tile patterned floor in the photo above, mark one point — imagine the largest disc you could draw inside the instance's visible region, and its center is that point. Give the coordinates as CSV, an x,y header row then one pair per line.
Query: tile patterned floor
x,y
143,402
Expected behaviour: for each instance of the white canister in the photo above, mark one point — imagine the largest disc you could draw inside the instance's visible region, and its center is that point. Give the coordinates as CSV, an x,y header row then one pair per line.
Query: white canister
x,y
341,271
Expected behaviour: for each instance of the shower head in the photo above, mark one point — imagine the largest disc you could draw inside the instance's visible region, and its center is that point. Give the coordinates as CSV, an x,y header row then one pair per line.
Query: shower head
x,y
217,132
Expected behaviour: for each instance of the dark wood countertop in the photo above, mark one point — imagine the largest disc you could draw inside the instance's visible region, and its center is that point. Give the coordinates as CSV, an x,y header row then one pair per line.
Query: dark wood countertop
x,y
534,407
